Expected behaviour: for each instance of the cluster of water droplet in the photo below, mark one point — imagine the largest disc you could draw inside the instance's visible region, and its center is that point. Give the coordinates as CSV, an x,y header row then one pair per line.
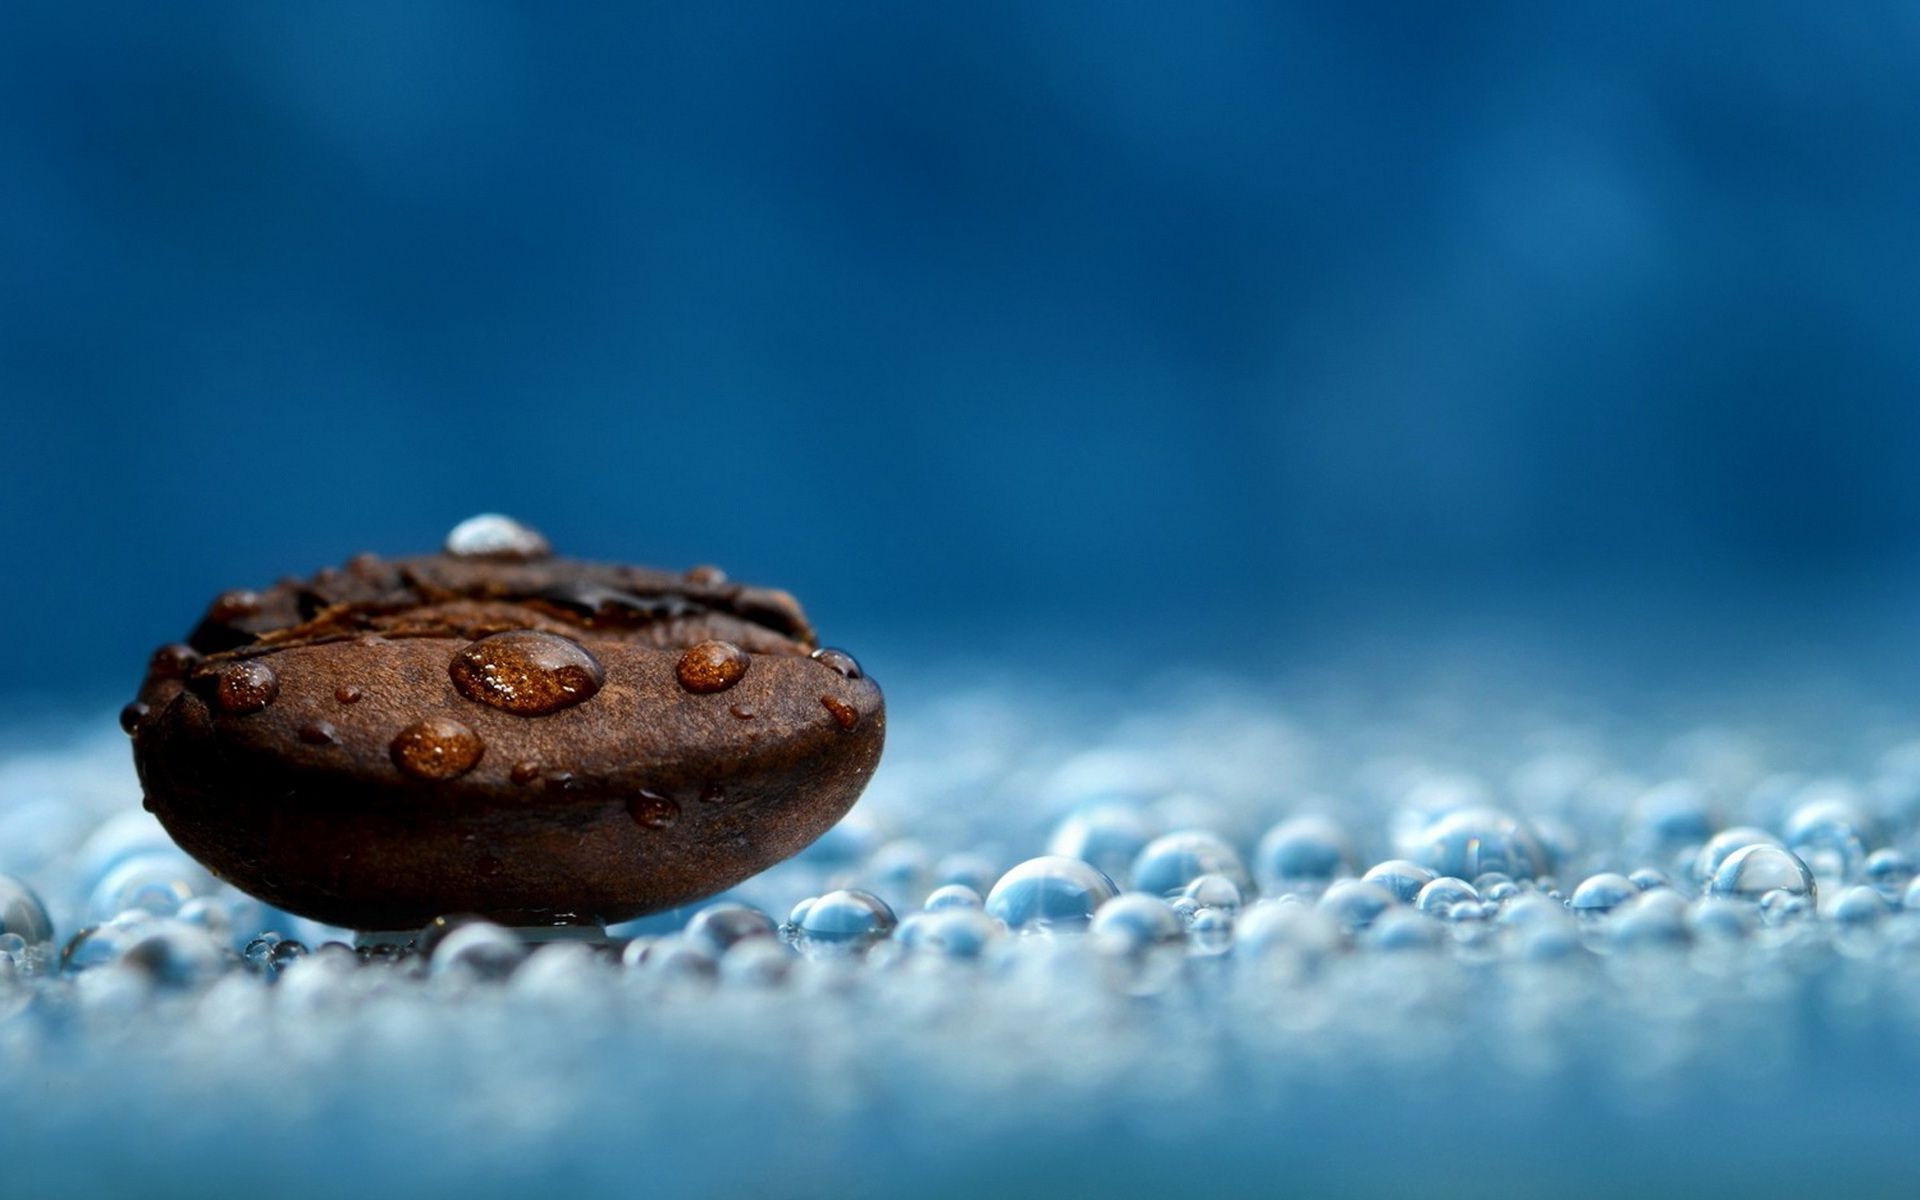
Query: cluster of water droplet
x,y
1030,915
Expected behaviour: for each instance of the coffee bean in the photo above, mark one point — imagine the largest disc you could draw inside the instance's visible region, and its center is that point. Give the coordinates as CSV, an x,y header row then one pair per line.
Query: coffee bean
x,y
498,731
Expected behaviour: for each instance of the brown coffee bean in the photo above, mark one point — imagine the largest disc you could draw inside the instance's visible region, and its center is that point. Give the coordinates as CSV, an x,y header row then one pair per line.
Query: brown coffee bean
x,y
498,731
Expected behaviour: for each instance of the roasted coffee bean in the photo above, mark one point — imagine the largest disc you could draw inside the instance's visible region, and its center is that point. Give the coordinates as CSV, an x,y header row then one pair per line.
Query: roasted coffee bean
x,y
494,730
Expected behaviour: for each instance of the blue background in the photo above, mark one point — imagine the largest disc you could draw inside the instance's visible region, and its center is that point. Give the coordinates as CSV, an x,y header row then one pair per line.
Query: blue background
x,y
956,319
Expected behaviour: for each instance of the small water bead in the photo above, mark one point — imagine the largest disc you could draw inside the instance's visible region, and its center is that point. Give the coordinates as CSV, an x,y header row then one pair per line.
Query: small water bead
x,y
1474,841
1355,903
271,953
711,666
845,715
847,918
1782,905
436,749
99,944
1285,929
653,811
173,661
1650,919
956,933
1052,892
674,958
233,605
245,687
1305,851
347,693
1170,862
704,575
1444,894
1402,929
157,882
719,927
476,949
1716,918
741,712
756,963
1830,835
491,535
527,672
953,895
1213,891
173,954
1211,930
1647,879
839,661
1860,905
1888,871
525,771
132,715
1134,923
22,914
1722,846
1499,891
1108,835
1600,894
1671,816
1401,877
1752,872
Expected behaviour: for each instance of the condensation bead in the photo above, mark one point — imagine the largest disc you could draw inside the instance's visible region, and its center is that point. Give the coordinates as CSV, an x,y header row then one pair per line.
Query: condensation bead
x,y
1354,903
1752,872
1212,891
1305,852
1443,895
1723,844
953,895
156,882
1600,894
1401,877
1170,862
847,919
958,933
22,914
1051,892
477,950
717,927
1401,929
1472,842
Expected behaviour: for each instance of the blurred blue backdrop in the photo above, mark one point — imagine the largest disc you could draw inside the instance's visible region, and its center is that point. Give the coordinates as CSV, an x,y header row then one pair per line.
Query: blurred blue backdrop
x,y
943,316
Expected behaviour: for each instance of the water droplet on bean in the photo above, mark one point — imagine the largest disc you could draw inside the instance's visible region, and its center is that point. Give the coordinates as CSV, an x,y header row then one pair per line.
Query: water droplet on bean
x,y
173,661
132,715
346,693
317,733
437,748
653,810
711,666
525,771
845,715
246,687
526,672
491,535
705,575
839,660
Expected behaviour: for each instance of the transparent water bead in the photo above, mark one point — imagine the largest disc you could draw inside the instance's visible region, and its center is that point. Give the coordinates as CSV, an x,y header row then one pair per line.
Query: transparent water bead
x,y
1401,877
1671,816
476,950
154,881
173,954
847,919
1051,892
953,895
1403,929
1474,841
955,933
1109,835
492,535
1649,920
1722,846
1753,872
718,927
1441,896
22,914
666,960
1170,862
1888,871
1830,835
1600,894
1300,934
1210,930
1212,891
1355,903
1859,906
1302,853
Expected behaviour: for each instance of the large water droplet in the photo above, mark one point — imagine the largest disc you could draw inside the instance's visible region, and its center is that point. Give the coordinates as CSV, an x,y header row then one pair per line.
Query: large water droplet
x,y
1171,862
246,687
1471,842
526,672
437,748
849,919
712,666
653,810
839,660
1050,892
1752,872
491,535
